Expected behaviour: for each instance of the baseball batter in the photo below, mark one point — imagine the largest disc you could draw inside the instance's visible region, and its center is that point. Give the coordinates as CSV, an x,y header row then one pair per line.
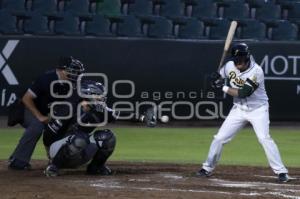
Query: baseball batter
x,y
246,85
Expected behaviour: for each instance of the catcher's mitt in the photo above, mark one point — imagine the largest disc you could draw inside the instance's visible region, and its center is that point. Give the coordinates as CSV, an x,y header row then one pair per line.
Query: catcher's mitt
x,y
149,117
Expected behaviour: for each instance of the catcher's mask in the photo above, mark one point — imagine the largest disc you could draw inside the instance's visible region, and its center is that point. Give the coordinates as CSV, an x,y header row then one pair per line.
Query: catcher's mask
x,y
95,91
73,67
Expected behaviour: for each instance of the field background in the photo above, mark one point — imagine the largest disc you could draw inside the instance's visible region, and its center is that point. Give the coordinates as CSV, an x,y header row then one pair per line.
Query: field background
x,y
161,163
181,145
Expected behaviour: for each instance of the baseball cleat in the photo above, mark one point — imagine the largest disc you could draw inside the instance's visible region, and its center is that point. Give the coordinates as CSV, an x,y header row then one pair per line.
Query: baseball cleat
x,y
51,171
283,177
96,170
203,173
16,164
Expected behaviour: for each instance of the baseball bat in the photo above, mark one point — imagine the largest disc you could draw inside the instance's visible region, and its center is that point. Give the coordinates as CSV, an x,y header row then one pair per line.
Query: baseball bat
x,y
228,41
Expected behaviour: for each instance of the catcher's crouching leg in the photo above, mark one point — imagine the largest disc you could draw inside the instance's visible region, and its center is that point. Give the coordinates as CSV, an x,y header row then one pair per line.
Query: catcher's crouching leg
x,y
67,153
106,142
71,155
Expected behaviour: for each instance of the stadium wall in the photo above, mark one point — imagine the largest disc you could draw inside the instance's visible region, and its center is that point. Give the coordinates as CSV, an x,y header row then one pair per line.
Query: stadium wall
x,y
170,73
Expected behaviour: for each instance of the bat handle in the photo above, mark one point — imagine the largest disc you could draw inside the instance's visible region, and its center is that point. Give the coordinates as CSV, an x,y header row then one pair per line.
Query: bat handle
x,y
222,60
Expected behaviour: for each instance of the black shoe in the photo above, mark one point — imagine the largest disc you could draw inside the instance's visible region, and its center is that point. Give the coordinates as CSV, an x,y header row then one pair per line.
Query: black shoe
x,y
16,164
98,170
283,177
203,173
51,170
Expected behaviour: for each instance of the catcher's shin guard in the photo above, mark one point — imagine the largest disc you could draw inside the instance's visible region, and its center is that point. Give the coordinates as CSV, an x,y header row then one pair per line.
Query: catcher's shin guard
x,y
106,141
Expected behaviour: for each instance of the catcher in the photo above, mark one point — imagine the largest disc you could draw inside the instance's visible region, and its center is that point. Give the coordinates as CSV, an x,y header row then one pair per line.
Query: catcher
x,y
74,142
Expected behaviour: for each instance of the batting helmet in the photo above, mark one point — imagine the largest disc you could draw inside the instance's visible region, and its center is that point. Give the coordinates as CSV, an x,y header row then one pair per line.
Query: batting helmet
x,y
73,67
240,53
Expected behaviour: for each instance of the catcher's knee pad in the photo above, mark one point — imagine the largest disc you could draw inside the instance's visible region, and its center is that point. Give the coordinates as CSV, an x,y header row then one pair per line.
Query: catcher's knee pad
x,y
105,140
70,154
77,143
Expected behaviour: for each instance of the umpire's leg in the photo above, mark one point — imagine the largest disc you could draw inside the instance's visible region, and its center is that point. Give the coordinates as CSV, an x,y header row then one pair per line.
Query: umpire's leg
x,y
21,156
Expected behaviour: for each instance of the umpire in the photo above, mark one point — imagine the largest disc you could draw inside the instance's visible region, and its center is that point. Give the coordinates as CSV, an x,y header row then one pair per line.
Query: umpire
x,y
36,101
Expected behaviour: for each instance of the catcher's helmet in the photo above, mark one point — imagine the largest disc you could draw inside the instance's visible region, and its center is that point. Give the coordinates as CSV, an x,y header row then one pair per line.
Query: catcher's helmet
x,y
95,90
240,53
89,87
73,67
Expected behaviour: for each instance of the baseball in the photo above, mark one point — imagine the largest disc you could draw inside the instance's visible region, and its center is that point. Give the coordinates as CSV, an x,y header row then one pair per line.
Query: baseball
x,y
164,119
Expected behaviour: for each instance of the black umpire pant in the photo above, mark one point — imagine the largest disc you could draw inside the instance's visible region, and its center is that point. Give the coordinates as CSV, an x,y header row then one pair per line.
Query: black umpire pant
x,y
33,131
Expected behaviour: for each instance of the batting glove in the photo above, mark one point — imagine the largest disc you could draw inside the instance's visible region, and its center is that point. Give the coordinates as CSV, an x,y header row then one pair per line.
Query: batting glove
x,y
217,81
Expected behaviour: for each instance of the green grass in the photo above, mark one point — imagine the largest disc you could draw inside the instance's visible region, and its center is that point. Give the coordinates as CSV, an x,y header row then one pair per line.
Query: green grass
x,y
181,145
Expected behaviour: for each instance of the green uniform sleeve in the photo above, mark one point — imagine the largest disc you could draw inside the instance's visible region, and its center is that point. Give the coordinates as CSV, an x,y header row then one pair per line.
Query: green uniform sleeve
x,y
248,88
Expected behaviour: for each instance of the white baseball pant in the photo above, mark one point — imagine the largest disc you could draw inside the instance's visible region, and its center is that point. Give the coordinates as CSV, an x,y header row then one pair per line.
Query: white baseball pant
x,y
236,120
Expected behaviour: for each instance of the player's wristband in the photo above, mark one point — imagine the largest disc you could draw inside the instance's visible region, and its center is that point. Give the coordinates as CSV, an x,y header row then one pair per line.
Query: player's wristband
x,y
225,89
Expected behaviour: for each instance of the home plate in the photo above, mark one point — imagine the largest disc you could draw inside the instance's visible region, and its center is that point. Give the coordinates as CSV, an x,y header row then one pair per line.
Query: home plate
x,y
275,177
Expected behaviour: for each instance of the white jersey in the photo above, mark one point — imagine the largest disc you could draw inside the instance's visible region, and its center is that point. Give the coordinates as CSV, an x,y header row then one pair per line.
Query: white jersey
x,y
237,79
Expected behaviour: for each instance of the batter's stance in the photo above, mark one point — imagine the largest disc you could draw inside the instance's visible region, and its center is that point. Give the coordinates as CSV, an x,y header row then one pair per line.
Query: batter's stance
x,y
246,85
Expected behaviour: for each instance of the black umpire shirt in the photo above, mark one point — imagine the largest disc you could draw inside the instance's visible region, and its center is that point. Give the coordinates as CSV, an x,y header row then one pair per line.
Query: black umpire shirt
x,y
40,88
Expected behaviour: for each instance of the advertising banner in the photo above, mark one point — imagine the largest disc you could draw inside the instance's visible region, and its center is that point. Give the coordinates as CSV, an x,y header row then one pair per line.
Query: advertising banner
x,y
172,74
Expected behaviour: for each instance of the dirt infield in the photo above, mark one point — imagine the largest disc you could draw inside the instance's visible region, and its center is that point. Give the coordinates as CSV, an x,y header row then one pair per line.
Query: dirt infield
x,y
147,180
